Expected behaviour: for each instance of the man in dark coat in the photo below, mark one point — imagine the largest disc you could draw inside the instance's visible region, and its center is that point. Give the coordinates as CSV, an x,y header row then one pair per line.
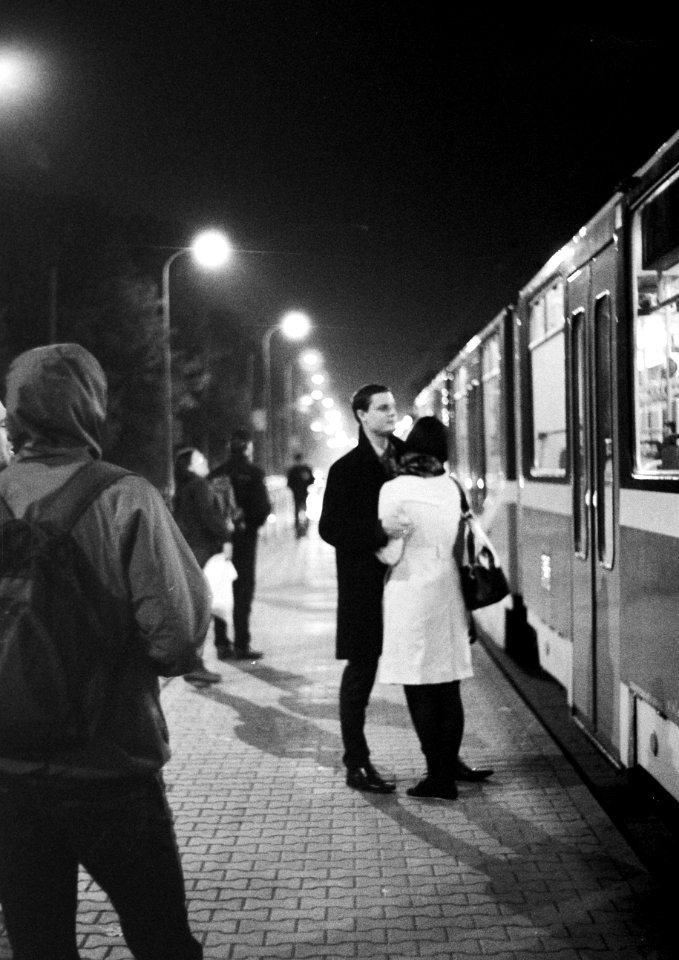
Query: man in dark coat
x,y
349,523
254,506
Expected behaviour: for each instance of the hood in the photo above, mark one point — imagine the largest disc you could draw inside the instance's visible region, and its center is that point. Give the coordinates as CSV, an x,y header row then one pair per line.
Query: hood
x,y
56,398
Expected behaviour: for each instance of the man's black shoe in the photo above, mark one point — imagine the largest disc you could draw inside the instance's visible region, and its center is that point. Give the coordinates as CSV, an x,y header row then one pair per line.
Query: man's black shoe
x,y
431,789
247,654
224,652
471,774
368,779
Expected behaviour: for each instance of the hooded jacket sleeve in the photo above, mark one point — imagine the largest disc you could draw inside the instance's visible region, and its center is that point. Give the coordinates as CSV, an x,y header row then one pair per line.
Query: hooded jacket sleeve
x,y
167,590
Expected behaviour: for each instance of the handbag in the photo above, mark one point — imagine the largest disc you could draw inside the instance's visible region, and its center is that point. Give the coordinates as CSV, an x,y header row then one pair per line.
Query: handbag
x,y
220,574
483,580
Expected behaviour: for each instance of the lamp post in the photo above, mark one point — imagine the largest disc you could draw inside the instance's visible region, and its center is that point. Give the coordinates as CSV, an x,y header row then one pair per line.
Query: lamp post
x,y
294,325
209,249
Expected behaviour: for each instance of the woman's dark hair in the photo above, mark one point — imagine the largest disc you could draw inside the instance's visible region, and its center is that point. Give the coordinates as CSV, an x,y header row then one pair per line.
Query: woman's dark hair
x,y
428,436
182,464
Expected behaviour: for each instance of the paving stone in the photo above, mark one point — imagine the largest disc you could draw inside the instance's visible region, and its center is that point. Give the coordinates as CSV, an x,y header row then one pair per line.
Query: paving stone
x,y
283,861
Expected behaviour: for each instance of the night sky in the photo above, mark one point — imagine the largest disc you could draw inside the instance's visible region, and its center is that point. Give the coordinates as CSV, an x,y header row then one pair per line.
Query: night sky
x,y
398,173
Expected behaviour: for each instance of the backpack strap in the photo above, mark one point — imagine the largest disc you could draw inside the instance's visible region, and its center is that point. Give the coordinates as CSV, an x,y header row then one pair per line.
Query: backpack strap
x,y
5,513
64,506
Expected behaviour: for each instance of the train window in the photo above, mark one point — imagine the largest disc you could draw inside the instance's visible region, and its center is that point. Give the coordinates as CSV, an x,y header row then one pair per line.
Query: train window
x,y
547,353
492,419
603,428
580,484
460,423
656,328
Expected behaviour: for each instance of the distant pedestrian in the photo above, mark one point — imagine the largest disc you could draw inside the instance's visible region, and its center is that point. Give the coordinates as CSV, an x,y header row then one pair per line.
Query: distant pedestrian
x,y
254,505
199,516
81,750
426,625
5,443
349,522
300,477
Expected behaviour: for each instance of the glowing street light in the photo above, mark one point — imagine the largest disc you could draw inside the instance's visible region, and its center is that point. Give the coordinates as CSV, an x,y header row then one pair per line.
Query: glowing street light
x,y
210,250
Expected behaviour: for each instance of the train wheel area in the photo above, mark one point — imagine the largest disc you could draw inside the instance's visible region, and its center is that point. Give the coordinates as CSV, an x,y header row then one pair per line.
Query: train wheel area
x,y
645,813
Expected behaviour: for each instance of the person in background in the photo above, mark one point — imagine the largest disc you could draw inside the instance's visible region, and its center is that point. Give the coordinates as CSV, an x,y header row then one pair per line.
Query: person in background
x,y
254,506
199,517
5,443
101,803
300,477
426,625
350,524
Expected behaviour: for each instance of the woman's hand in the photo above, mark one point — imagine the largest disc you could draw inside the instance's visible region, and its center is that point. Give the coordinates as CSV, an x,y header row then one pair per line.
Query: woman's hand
x,y
397,524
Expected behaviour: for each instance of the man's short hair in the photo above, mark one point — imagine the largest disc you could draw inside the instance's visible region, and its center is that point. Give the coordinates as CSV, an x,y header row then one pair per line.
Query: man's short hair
x,y
239,440
360,400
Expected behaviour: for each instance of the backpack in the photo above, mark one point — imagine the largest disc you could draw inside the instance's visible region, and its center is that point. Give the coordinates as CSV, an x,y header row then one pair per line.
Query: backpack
x,y
57,648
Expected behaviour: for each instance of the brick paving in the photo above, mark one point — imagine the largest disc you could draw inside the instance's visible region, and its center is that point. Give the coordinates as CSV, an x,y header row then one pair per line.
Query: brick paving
x,y
282,860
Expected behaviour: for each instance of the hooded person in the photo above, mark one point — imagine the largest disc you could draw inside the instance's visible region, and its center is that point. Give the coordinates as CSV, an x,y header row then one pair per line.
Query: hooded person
x,y
101,804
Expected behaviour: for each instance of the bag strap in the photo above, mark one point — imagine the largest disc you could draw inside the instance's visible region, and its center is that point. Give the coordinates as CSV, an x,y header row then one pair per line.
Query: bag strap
x,y
64,506
466,509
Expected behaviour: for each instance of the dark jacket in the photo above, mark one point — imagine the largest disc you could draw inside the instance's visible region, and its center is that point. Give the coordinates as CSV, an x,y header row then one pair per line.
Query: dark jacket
x,y
349,523
199,517
299,479
56,404
249,489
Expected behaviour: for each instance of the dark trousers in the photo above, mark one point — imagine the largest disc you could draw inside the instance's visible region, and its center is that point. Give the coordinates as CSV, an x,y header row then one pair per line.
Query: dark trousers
x,y
221,633
122,833
357,682
438,717
244,560
300,512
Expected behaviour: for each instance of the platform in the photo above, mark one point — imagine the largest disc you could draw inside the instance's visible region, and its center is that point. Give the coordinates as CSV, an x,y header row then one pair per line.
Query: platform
x,y
282,860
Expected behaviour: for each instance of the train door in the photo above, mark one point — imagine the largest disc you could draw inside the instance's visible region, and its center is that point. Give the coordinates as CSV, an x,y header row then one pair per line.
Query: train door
x,y
596,661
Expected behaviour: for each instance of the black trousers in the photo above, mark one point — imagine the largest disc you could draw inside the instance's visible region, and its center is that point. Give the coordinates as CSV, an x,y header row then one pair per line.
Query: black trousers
x,y
438,717
356,686
122,833
245,562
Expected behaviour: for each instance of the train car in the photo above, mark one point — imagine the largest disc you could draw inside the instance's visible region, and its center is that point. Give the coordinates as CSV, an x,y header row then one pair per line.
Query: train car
x,y
563,416
598,336
474,397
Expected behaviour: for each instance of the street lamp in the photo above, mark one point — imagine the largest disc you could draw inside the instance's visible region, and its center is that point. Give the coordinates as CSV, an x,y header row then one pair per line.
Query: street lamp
x,y
210,249
294,325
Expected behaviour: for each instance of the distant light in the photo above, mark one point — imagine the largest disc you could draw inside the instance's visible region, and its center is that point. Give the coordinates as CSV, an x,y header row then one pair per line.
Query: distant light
x,y
316,394
211,249
311,359
305,400
318,378
403,426
295,325
328,402
317,426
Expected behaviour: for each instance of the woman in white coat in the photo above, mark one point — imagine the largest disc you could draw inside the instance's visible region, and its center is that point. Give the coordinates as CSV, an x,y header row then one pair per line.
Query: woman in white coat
x,y
426,625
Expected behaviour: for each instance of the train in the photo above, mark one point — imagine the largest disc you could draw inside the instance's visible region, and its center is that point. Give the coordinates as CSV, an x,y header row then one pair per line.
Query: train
x,y
563,416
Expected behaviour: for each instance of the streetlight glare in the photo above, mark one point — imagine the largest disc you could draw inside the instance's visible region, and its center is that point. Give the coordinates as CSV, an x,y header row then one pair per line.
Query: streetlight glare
x,y
318,379
295,325
311,359
211,249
